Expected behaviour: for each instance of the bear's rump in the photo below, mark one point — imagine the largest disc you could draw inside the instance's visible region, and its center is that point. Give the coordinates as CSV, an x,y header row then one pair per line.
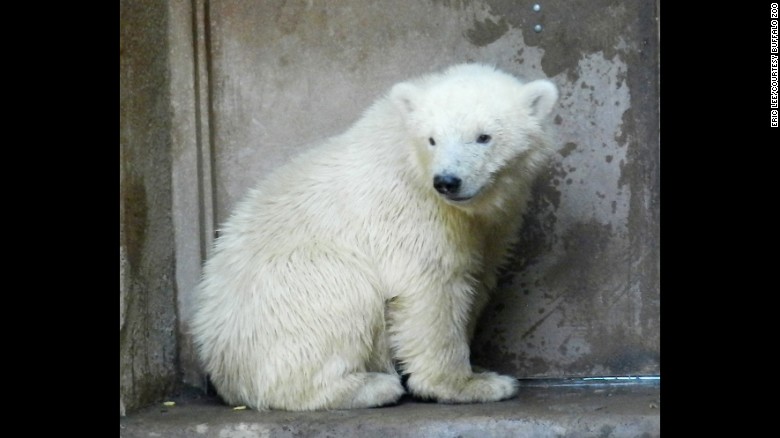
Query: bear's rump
x,y
300,319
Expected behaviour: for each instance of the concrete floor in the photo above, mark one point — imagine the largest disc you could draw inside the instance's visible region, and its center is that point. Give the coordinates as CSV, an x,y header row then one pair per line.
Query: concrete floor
x,y
543,409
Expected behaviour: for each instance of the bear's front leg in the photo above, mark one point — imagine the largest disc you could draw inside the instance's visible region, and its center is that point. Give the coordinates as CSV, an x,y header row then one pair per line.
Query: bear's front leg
x,y
428,331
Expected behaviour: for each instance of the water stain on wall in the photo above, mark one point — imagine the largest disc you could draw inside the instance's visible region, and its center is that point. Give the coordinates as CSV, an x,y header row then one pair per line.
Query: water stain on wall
x,y
570,29
487,31
135,219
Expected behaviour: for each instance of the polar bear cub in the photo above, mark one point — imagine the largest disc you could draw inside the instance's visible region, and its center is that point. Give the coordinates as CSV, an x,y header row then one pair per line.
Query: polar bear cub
x,y
373,253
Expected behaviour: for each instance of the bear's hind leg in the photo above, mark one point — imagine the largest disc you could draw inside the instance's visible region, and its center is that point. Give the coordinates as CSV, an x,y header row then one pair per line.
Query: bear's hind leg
x,y
330,333
357,390
378,389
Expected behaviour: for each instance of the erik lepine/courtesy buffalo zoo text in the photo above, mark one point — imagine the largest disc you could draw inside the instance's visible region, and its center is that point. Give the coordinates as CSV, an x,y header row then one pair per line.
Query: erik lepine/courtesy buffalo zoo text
x,y
773,62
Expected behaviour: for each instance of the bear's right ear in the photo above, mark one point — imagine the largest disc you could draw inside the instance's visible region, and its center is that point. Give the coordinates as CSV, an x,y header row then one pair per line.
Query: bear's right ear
x,y
539,97
404,96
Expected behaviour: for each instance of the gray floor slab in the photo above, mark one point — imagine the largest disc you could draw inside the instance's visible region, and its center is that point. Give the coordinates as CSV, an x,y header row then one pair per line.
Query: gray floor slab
x,y
541,410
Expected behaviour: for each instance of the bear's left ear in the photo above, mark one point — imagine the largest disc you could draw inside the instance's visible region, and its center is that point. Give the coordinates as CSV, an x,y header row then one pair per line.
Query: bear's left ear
x,y
404,96
539,97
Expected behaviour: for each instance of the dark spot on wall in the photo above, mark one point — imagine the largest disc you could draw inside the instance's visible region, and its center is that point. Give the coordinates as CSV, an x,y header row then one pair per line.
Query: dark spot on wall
x,y
134,215
567,149
537,233
289,16
486,32
492,356
628,125
545,190
558,119
585,266
625,358
135,220
571,29
608,158
454,4
625,173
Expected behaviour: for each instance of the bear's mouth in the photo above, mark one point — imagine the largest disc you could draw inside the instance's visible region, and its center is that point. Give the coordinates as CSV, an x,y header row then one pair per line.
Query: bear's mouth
x,y
458,199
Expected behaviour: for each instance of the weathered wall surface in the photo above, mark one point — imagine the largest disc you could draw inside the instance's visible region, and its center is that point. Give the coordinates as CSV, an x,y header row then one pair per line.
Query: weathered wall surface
x,y
213,95
582,297
147,311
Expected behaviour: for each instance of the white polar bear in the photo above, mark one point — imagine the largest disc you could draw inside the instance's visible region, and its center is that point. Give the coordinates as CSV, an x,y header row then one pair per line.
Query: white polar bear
x,y
374,251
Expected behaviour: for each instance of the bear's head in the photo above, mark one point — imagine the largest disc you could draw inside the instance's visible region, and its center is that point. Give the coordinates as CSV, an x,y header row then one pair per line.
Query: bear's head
x,y
474,129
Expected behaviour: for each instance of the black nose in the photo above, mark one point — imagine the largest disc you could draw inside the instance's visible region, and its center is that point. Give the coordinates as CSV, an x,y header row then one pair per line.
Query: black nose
x,y
446,184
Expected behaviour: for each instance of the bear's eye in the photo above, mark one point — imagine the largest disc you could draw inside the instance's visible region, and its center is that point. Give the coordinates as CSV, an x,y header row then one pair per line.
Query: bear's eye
x,y
431,141
483,138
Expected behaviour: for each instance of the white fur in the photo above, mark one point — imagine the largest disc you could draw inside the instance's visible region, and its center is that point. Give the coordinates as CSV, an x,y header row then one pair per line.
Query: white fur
x,y
346,263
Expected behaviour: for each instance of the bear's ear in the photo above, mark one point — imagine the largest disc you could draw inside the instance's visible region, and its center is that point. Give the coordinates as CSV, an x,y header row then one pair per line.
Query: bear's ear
x,y
539,97
404,96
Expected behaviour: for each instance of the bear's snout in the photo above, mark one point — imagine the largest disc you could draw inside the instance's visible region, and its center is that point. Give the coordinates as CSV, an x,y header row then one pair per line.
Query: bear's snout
x,y
446,184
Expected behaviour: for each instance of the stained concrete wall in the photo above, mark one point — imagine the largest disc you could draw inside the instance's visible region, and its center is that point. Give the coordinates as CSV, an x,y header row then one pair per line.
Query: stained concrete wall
x,y
251,83
147,311
582,297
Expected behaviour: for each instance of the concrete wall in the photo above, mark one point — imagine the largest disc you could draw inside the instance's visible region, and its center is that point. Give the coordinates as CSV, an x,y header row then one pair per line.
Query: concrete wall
x,y
252,83
583,296
147,311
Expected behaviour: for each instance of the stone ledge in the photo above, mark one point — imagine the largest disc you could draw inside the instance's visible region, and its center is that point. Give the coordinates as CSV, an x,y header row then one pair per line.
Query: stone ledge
x,y
543,409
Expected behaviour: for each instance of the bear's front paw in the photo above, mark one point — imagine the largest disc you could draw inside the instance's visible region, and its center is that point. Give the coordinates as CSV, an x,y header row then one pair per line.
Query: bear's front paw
x,y
488,386
379,389
480,388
